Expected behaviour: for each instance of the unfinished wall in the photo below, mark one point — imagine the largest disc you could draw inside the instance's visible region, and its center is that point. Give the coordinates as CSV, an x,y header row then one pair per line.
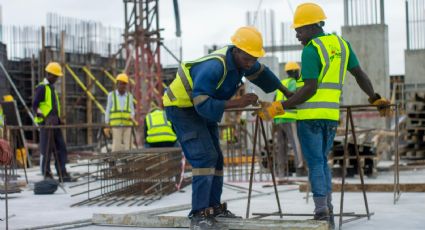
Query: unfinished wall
x,y
370,43
415,66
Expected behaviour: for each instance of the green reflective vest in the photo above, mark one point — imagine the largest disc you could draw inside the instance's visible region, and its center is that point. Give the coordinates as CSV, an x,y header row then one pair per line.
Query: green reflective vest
x,y
1,116
120,116
289,113
159,128
46,105
333,52
179,92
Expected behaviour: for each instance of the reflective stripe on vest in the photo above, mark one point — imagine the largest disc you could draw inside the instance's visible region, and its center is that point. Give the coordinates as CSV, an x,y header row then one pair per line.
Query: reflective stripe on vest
x,y
120,116
179,92
289,113
333,52
46,105
159,128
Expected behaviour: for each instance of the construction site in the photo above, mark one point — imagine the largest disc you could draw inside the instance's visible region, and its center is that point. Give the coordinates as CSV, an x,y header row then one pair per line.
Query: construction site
x,y
377,162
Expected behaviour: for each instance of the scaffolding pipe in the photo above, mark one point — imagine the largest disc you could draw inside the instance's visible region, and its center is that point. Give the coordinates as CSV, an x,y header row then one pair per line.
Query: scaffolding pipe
x,y
18,94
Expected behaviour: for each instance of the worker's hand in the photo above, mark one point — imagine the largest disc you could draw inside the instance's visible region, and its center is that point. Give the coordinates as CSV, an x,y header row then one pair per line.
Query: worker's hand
x,y
107,132
269,110
135,123
248,99
382,105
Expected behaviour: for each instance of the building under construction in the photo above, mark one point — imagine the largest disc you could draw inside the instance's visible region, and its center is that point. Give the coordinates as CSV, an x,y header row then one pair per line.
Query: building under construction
x,y
369,153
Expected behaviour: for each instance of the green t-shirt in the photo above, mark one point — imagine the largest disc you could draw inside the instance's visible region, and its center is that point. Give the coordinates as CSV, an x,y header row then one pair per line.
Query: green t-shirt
x,y
310,60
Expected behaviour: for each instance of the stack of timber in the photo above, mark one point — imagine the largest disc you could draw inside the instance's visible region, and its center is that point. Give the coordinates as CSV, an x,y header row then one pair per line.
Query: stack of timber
x,y
414,149
367,147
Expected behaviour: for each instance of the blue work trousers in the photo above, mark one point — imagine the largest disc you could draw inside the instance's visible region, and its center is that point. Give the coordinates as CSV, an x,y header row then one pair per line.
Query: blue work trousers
x,y
316,139
199,139
57,149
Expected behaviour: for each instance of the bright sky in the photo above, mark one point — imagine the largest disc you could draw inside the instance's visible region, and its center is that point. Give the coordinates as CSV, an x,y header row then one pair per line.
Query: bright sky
x,y
204,22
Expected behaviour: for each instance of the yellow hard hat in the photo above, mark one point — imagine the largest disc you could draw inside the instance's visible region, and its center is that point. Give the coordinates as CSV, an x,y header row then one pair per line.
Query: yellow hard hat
x,y
54,68
7,98
292,66
122,77
307,14
249,39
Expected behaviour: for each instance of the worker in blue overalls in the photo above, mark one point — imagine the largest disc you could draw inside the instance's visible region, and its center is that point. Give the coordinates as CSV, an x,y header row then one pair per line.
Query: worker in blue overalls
x,y
194,103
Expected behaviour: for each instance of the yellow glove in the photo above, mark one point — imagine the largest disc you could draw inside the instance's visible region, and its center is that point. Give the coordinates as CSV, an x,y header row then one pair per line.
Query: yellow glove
x,y
269,110
107,132
382,105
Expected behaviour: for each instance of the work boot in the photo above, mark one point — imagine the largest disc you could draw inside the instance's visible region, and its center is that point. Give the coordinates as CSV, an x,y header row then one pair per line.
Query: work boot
x,y
48,175
66,177
331,212
204,220
321,210
221,211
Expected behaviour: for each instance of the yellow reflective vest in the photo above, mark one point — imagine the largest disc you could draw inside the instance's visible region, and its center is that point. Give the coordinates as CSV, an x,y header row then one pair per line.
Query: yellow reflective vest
x,y
334,53
46,105
120,116
289,113
159,128
179,92
1,116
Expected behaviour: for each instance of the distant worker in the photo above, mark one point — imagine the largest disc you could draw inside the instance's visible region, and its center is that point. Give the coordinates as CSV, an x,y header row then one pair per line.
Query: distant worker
x,y
325,61
47,108
120,114
286,128
158,130
195,102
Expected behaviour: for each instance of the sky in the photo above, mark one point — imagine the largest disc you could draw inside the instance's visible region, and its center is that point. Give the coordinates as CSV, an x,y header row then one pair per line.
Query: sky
x,y
203,22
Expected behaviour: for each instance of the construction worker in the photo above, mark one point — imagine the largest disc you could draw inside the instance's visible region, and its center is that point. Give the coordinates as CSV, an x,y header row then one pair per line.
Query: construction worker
x,y
285,125
120,114
158,130
326,58
47,109
194,103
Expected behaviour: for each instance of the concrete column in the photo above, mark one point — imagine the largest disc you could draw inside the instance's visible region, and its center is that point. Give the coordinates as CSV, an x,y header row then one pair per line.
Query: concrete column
x,y
370,43
414,65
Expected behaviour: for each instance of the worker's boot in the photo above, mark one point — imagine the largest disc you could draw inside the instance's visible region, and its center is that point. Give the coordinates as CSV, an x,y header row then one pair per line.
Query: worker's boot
x,y
321,211
221,211
331,212
204,220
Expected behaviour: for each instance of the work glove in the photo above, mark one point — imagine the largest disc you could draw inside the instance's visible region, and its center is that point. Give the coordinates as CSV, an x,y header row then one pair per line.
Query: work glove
x,y
382,105
269,110
107,132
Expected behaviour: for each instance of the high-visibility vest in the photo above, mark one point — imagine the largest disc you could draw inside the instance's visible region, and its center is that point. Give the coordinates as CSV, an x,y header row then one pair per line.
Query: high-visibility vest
x,y
120,116
159,128
46,105
179,92
334,53
289,113
1,116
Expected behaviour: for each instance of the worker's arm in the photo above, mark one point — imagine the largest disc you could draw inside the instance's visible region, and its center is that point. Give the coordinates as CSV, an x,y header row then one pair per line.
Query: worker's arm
x,y
131,105
285,91
363,81
206,76
302,95
264,78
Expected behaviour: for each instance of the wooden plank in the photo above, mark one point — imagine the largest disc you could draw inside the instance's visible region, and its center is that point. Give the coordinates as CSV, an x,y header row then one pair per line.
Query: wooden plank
x,y
388,187
148,221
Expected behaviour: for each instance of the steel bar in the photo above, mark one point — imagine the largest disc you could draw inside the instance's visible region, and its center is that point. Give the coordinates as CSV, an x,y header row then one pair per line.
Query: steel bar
x,y
251,177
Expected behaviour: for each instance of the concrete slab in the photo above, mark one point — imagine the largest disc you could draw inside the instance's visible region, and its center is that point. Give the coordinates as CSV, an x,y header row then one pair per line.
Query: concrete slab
x,y
148,221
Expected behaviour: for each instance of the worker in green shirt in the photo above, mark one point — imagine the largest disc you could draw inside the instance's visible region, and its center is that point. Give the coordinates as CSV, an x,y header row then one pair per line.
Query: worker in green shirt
x,y
285,125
